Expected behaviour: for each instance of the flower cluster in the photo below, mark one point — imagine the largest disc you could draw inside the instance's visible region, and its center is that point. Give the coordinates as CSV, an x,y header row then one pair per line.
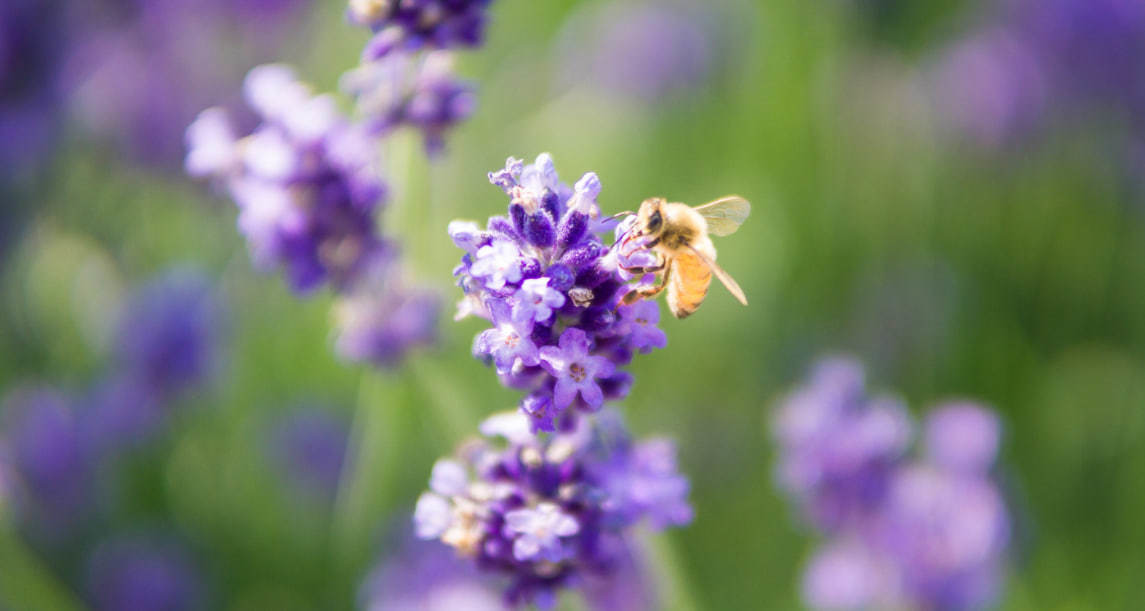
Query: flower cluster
x,y
1035,61
419,91
418,24
928,533
308,445
551,289
139,71
306,180
546,512
143,572
167,347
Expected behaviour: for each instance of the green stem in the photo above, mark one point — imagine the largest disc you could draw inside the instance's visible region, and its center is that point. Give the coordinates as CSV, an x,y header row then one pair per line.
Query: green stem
x,y
25,583
668,574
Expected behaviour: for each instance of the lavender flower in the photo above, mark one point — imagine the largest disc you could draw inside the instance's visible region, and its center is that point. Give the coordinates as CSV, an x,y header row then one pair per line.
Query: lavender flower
x,y
427,578
642,51
168,333
142,572
139,73
545,280
417,24
382,318
416,91
30,66
49,456
305,181
932,534
309,446
838,448
547,513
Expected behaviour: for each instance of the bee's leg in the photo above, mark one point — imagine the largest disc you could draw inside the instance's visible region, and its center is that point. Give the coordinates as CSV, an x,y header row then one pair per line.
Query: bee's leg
x,y
635,295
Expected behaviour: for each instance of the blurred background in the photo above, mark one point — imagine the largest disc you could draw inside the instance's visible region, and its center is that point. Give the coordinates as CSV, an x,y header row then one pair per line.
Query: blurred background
x,y
951,191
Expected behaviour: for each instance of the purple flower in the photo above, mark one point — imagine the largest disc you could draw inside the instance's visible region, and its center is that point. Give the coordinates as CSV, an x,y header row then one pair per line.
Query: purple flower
x,y
638,324
416,24
575,370
962,437
645,51
510,344
549,512
535,300
929,534
420,92
139,74
143,572
381,318
538,532
49,455
123,412
543,271
423,577
838,447
305,181
30,65
168,333
309,446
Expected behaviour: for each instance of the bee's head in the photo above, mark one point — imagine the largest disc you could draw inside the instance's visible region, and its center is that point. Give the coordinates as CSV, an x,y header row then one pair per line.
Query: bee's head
x,y
650,219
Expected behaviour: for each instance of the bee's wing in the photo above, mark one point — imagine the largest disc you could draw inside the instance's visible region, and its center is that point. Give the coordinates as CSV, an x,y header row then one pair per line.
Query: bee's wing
x,y
724,277
725,215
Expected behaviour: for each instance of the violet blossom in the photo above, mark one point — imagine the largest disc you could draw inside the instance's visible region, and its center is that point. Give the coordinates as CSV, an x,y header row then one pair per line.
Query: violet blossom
x,y
551,288
928,532
419,24
547,513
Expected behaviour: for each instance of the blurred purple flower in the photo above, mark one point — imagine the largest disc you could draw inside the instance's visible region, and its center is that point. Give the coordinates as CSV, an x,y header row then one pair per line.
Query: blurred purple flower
x,y
548,246
123,411
309,446
305,181
547,513
419,24
140,73
49,455
838,448
428,578
1037,60
143,573
30,93
935,534
169,333
416,91
643,50
382,318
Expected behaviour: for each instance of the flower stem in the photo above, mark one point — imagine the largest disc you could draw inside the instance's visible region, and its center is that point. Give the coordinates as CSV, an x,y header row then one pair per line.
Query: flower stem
x,y
25,583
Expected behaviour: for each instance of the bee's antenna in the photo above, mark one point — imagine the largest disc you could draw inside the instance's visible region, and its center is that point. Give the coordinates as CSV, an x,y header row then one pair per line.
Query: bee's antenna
x,y
617,215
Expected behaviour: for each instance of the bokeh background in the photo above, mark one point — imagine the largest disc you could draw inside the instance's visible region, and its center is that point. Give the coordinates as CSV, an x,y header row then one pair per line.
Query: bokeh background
x,y
951,191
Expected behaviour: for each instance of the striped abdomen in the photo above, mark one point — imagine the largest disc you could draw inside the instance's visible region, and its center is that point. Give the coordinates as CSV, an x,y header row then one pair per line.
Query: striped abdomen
x,y
688,284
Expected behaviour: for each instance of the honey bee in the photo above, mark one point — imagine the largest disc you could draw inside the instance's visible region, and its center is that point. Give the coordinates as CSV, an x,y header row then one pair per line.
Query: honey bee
x,y
678,234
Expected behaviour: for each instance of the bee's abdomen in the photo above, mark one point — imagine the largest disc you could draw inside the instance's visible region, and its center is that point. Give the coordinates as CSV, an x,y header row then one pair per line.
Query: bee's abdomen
x,y
688,285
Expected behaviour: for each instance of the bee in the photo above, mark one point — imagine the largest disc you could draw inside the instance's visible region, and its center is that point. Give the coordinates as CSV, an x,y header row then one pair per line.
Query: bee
x,y
686,258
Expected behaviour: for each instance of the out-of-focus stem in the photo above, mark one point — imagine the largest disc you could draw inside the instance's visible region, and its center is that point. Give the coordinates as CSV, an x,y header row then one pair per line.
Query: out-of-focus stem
x,y
25,583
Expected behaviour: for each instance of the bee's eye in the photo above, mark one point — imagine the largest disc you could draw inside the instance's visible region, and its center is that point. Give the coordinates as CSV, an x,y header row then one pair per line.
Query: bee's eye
x,y
655,221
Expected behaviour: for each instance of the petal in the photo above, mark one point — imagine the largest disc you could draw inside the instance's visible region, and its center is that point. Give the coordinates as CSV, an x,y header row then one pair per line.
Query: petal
x,y
574,342
432,516
601,367
564,392
591,393
448,478
553,360
566,526
526,548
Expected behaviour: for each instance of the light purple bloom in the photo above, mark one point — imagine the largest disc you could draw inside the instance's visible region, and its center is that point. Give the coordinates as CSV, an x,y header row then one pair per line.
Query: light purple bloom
x,y
143,572
305,181
903,533
545,265
962,437
550,512
510,345
638,324
575,370
308,445
420,92
423,577
535,300
380,320
498,263
537,532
